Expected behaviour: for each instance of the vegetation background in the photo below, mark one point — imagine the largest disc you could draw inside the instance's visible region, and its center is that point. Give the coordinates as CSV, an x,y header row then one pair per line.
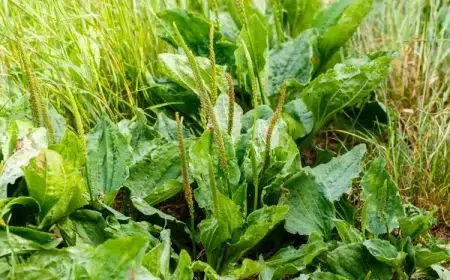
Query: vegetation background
x,y
101,54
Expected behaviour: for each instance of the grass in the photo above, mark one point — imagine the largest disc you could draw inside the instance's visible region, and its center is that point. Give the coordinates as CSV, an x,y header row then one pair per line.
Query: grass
x,y
104,51
417,149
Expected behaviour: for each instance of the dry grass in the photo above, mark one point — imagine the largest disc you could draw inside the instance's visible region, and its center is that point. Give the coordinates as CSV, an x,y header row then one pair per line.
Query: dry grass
x,y
418,91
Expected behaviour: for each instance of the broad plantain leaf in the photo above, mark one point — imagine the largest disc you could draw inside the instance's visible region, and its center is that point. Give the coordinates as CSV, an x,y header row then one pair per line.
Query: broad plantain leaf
x,y
89,227
348,233
344,85
427,257
70,148
416,225
384,208
385,252
300,14
56,185
114,258
184,269
221,111
295,62
157,260
319,275
14,244
195,32
248,269
298,118
355,262
157,172
339,22
290,260
108,158
336,175
309,209
257,44
259,224
177,69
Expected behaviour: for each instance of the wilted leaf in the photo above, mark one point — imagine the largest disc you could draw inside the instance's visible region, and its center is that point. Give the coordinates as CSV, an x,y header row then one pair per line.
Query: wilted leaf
x,y
26,149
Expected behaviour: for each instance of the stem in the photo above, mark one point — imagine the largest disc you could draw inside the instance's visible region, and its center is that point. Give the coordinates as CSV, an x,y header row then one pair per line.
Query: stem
x,y
278,13
184,174
212,58
272,123
230,103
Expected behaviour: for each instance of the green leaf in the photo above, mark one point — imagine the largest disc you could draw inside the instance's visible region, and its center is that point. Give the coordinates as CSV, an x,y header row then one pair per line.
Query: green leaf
x,y
17,129
318,275
220,227
145,209
183,270
157,260
21,202
410,260
300,14
384,208
252,8
336,175
298,118
295,62
259,224
108,158
11,243
257,44
55,185
167,128
210,273
385,252
68,263
133,228
176,68
290,260
195,32
339,22
116,257
247,269
416,225
70,148
89,226
201,152
156,173
58,122
309,209
27,148
347,232
343,86
426,257
221,111
354,262
163,192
